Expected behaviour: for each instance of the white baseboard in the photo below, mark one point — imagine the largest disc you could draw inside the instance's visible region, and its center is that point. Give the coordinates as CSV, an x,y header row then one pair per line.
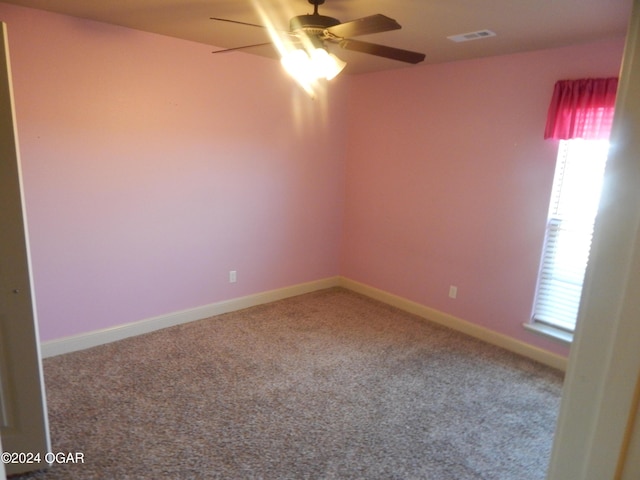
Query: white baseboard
x,y
489,336
91,339
99,337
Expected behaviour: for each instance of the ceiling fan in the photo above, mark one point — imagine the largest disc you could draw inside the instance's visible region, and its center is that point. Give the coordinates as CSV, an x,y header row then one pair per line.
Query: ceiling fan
x,y
319,30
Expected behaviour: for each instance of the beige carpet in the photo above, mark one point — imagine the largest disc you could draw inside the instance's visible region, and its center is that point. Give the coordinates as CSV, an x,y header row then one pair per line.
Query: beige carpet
x,y
329,385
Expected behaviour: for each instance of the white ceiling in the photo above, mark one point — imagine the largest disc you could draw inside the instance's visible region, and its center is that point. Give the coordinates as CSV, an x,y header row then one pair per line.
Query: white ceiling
x,y
520,25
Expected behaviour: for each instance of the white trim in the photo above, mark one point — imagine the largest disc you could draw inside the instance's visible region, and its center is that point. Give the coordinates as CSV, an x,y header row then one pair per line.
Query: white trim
x,y
549,331
3,473
489,336
99,337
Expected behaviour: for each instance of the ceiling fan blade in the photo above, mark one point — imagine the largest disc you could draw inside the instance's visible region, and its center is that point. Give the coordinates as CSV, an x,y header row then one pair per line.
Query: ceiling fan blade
x,y
280,32
224,50
364,26
236,21
382,51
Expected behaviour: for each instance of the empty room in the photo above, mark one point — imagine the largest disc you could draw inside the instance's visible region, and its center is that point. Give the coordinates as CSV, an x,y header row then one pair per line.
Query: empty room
x,y
220,263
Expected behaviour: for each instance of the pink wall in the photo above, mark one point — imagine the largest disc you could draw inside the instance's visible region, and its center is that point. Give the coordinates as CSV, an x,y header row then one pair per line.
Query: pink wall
x,y
448,181
152,168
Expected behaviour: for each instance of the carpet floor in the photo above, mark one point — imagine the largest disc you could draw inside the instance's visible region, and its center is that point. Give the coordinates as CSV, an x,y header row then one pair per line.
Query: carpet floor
x,y
328,385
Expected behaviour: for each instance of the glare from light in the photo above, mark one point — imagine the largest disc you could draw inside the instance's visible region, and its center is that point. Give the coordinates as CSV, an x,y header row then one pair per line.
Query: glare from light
x,y
325,64
298,65
308,68
273,32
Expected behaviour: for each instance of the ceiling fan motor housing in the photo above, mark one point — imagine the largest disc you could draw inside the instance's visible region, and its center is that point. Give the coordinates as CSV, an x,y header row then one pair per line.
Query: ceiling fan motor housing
x,y
312,24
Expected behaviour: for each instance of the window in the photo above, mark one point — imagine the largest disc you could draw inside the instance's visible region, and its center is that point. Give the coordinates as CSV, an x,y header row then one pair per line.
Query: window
x,y
573,208
580,115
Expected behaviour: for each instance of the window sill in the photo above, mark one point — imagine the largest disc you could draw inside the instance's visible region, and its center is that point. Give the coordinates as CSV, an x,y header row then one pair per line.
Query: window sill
x,y
548,331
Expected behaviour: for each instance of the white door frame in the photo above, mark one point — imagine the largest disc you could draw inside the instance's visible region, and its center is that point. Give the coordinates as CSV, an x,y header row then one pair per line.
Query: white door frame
x,y
3,473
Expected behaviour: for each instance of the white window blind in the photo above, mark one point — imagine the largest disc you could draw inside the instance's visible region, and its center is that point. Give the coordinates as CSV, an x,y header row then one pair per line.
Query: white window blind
x,y
572,213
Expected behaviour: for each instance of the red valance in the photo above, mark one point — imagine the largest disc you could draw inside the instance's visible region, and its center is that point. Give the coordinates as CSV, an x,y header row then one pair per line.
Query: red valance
x,y
582,109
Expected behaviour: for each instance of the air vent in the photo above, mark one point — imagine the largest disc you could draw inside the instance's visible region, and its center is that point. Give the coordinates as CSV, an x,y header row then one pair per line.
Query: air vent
x,y
465,37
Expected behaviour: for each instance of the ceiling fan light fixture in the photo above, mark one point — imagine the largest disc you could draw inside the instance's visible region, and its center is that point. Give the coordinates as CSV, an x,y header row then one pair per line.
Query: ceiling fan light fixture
x,y
307,68
325,64
297,64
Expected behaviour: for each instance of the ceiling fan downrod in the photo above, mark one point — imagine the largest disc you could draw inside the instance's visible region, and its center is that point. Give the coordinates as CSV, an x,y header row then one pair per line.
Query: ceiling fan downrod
x,y
315,4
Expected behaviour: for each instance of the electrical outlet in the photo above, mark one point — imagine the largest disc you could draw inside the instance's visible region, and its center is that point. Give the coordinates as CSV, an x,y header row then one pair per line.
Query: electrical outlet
x,y
233,276
453,291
